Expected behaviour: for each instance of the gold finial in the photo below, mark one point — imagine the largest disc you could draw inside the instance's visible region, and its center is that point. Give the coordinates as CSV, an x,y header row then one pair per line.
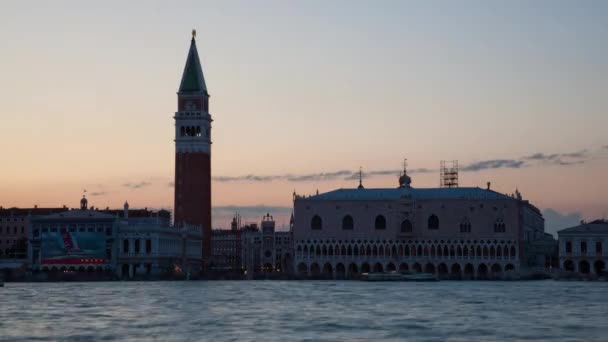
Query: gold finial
x,y
193,33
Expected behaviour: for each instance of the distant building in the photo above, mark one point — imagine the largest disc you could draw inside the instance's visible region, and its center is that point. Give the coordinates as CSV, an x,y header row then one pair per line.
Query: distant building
x,y
584,248
226,248
78,240
267,251
151,248
128,243
453,232
14,223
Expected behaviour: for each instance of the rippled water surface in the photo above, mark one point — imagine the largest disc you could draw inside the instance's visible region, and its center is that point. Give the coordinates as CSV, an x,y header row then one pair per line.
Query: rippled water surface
x,y
312,310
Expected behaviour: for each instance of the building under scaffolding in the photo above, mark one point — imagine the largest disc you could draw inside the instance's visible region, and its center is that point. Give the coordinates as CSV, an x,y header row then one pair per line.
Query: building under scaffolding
x,y
449,174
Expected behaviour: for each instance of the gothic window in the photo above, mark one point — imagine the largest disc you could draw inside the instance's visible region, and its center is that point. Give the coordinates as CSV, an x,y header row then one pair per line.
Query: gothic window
x,y
465,226
380,222
316,223
568,247
182,131
198,131
499,226
406,226
598,247
347,222
433,222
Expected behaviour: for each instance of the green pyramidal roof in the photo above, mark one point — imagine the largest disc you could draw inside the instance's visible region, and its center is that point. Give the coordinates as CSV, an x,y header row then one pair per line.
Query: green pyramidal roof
x,y
193,80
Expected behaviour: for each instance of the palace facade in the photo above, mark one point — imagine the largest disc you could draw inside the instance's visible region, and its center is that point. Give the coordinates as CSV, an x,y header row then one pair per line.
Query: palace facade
x,y
584,248
462,233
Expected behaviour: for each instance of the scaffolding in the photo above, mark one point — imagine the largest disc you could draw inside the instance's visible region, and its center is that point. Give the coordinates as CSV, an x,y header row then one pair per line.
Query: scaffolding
x,y
448,174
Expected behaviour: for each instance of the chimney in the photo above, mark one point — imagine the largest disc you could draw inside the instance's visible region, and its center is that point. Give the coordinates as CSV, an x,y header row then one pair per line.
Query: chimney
x,y
489,185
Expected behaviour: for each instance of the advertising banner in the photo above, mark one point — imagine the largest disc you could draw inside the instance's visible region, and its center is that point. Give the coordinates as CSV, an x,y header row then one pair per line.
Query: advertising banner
x,y
63,247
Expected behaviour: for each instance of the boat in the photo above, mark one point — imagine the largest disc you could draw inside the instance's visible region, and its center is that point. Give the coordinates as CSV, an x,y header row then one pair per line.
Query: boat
x,y
395,276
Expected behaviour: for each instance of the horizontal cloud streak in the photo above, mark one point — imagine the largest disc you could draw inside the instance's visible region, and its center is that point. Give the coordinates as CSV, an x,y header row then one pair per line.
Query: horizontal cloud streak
x,y
136,185
321,176
494,164
97,193
561,159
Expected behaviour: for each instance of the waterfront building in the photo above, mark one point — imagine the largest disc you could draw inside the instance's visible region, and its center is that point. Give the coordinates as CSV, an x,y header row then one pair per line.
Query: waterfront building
x,y
453,232
150,248
226,247
193,150
14,223
584,248
267,251
77,240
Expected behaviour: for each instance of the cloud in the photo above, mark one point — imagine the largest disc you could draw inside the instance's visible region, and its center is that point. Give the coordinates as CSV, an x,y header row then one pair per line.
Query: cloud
x,y
136,185
286,177
97,193
391,172
555,221
605,147
494,164
565,159
320,176
562,159
250,178
314,177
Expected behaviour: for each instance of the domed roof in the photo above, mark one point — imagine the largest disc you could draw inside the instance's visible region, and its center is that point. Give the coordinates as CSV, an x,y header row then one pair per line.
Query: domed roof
x,y
405,181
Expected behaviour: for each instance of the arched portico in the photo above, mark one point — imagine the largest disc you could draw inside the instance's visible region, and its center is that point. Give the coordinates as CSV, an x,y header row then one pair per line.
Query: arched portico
x,y
328,271
302,269
442,271
353,270
482,271
496,271
599,266
583,267
456,272
315,270
469,272
340,271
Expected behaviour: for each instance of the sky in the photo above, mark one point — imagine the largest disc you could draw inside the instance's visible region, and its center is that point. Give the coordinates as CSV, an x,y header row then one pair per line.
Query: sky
x,y
303,93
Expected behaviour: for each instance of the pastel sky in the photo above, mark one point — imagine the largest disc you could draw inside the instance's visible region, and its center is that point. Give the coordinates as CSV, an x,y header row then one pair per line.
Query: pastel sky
x,y
517,91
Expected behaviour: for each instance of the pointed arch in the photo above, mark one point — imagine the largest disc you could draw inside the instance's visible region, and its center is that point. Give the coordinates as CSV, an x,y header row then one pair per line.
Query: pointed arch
x,y
433,222
380,222
316,223
406,226
348,223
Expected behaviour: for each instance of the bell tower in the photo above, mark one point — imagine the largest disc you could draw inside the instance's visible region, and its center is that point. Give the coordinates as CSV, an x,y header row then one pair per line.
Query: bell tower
x,y
193,150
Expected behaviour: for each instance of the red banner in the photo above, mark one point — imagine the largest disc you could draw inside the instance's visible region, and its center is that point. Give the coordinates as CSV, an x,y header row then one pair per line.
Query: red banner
x,y
74,261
